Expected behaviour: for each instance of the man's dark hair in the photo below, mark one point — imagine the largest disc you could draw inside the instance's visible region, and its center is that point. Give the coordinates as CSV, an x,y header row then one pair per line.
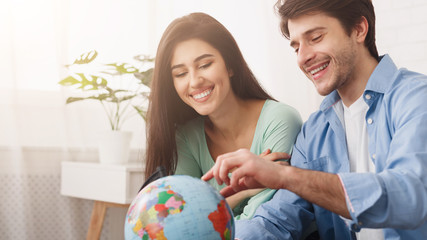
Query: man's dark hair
x,y
348,13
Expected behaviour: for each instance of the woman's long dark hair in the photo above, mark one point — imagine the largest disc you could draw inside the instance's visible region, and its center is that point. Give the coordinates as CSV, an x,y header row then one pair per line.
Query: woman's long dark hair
x,y
166,110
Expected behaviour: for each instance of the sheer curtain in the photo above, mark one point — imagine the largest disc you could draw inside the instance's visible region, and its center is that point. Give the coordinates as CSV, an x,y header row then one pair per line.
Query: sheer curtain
x,y
38,131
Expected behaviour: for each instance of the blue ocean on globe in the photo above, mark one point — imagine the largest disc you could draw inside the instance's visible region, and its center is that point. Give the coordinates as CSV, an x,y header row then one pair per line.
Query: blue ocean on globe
x,y
179,207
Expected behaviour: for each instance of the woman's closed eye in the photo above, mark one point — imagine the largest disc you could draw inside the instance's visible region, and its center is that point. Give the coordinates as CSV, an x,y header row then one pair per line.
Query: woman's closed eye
x,y
206,65
179,74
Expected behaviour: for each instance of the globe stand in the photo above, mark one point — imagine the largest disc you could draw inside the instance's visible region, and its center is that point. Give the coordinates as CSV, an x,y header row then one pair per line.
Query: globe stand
x,y
97,218
100,207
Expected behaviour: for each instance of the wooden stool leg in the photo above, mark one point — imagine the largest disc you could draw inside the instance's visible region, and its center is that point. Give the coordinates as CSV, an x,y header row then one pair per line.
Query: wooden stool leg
x,y
96,220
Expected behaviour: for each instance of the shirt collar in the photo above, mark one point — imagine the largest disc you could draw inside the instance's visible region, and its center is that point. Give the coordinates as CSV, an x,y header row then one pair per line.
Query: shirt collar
x,y
383,76
379,81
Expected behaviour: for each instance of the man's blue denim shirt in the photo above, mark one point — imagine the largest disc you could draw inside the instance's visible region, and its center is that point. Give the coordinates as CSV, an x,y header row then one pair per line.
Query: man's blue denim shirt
x,y
394,198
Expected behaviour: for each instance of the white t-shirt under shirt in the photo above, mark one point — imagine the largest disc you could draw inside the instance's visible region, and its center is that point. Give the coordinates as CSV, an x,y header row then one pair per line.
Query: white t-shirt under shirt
x,y
358,152
357,137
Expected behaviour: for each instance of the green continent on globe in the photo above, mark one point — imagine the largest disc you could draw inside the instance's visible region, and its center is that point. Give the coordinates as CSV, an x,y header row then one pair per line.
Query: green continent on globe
x,y
219,220
149,224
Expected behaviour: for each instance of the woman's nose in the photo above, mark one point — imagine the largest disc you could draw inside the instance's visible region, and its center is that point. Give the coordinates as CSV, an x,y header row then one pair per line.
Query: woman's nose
x,y
195,79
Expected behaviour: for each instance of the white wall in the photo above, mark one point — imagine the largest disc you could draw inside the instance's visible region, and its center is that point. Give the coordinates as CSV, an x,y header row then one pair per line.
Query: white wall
x,y
401,32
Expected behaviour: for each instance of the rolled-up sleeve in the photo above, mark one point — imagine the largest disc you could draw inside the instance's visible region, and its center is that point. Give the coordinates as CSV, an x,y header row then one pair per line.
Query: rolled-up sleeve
x,y
396,195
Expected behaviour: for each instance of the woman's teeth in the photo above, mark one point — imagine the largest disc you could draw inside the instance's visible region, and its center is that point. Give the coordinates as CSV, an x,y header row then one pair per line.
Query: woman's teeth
x,y
319,69
203,94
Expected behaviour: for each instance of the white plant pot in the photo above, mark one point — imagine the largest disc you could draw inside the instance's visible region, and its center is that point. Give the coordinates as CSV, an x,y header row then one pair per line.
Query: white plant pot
x,y
114,147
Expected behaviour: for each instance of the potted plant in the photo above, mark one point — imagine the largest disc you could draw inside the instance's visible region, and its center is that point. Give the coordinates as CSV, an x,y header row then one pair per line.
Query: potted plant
x,y
121,89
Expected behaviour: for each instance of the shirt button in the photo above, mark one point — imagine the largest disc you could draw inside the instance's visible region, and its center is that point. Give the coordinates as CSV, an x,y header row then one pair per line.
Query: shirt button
x,y
370,121
368,96
374,156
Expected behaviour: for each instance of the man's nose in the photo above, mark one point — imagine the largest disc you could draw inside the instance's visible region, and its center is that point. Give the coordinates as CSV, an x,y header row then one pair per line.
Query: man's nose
x,y
305,54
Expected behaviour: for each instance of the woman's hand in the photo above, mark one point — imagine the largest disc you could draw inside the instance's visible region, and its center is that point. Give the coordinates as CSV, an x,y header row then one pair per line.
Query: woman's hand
x,y
249,170
236,198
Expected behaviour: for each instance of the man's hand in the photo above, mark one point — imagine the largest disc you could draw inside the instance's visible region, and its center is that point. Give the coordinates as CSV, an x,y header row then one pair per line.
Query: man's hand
x,y
249,171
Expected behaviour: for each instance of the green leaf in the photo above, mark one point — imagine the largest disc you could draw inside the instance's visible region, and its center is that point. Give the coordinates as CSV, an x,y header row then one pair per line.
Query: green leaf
x,y
144,58
112,95
145,77
125,98
123,68
99,97
68,81
141,112
74,99
94,83
86,58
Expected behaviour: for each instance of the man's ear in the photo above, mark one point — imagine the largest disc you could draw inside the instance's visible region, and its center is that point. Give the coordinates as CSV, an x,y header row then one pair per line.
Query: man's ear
x,y
361,30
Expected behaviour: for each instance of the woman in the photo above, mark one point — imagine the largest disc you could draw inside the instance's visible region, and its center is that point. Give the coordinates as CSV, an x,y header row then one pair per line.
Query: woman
x,y
205,101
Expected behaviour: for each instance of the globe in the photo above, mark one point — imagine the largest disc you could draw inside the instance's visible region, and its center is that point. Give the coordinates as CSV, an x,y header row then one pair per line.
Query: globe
x,y
179,207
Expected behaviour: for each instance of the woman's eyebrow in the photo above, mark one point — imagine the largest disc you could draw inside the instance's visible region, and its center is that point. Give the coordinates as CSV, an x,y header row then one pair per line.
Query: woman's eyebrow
x,y
202,56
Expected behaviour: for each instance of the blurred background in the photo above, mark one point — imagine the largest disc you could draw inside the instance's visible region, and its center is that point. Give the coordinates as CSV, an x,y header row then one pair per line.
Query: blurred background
x,y
38,130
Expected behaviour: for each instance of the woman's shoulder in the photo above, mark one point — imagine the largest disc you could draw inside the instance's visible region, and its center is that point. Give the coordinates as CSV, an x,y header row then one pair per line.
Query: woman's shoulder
x,y
275,109
276,115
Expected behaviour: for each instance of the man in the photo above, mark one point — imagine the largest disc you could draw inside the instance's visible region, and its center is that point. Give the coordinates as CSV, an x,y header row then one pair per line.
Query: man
x,y
359,165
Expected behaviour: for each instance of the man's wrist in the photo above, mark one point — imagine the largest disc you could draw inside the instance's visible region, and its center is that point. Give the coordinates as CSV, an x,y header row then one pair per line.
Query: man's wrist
x,y
286,174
